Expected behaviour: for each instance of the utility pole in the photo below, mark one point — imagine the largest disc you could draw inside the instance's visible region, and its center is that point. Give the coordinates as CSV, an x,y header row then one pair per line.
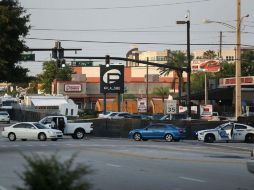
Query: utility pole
x,y
188,69
238,106
147,86
220,55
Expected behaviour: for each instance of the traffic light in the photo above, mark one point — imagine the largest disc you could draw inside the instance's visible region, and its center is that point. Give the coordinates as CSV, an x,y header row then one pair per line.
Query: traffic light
x,y
60,53
54,53
58,62
107,60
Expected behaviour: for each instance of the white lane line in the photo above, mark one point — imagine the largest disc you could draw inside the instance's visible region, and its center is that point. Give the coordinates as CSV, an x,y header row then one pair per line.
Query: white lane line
x,y
192,179
113,165
2,188
15,145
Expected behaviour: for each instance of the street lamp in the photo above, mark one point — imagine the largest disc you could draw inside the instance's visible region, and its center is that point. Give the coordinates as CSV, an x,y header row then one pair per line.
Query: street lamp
x,y
238,96
188,66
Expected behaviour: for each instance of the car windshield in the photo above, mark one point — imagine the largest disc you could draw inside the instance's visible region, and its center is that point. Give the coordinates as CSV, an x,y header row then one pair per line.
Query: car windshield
x,y
221,126
4,113
39,126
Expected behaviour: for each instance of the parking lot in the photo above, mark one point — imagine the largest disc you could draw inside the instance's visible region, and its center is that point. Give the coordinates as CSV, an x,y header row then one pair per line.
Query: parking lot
x,y
120,163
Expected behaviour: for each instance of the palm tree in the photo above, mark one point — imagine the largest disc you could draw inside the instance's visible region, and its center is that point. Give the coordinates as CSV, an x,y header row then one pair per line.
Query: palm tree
x,y
176,59
209,54
161,91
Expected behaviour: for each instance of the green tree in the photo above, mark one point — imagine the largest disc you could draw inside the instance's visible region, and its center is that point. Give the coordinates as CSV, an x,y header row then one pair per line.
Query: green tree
x,y
13,28
48,173
51,72
226,70
161,91
247,65
176,59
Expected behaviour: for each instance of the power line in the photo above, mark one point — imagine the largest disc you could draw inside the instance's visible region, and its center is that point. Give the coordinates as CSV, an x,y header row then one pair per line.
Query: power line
x,y
119,7
108,30
130,43
127,31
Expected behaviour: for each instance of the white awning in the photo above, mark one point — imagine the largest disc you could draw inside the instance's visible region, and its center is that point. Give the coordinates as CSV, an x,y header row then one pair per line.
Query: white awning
x,y
48,102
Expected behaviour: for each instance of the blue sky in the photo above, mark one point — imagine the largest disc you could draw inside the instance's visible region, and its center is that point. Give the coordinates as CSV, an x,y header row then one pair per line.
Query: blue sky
x,y
131,21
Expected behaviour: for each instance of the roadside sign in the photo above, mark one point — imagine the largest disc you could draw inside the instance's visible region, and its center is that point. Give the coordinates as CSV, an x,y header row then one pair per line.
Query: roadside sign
x,y
171,107
141,104
27,57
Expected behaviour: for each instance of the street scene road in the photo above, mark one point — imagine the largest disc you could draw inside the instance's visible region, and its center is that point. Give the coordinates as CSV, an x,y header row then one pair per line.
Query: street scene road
x,y
126,164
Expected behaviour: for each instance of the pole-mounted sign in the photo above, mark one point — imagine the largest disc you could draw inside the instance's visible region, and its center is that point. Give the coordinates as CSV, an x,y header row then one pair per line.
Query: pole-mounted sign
x,y
112,79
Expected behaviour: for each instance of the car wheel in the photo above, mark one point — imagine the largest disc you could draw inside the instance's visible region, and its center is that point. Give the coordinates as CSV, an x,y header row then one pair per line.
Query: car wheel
x,y
168,137
12,137
79,134
137,136
209,138
249,138
42,137
53,139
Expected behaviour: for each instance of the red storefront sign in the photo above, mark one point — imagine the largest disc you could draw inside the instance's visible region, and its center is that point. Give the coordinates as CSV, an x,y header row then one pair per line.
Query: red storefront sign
x,y
231,81
72,87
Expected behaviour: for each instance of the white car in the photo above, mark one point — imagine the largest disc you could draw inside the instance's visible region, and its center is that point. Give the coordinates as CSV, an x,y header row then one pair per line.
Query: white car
x,y
4,116
30,130
119,115
114,115
106,115
228,132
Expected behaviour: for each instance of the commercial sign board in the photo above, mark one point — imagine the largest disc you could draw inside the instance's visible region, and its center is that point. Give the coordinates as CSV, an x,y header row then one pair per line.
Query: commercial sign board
x,y
206,112
72,88
184,109
249,80
142,105
112,79
205,65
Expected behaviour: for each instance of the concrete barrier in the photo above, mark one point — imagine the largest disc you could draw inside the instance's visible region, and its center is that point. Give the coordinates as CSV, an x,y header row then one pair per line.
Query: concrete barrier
x,y
121,128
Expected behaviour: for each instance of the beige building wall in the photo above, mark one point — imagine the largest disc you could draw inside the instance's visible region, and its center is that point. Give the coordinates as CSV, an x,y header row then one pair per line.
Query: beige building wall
x,y
160,57
91,71
155,56
141,71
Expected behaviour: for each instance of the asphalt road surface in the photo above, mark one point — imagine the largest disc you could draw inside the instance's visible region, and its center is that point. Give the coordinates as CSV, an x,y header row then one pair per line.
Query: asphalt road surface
x,y
150,165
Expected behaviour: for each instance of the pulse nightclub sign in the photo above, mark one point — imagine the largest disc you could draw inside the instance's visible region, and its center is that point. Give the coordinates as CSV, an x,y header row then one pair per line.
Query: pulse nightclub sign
x,y
112,79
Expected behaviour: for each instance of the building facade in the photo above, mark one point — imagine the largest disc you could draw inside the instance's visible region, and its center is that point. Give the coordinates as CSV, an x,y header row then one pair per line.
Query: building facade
x,y
226,54
84,89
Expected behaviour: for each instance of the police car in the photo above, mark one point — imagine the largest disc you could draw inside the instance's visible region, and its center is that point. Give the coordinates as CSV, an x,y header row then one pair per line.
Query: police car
x,y
228,132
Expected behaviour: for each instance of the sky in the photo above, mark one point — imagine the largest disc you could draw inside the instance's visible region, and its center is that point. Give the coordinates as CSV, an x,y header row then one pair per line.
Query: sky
x,y
88,24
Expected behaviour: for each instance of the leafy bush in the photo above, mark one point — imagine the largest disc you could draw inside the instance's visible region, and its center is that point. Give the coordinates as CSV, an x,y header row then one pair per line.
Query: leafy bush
x,y
48,173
